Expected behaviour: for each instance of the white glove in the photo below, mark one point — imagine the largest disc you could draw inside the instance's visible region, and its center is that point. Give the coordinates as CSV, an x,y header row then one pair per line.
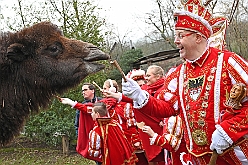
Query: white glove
x,y
132,90
219,143
68,102
117,96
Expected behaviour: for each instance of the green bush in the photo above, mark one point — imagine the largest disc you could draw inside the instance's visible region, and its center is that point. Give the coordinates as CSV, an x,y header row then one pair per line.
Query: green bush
x,y
59,118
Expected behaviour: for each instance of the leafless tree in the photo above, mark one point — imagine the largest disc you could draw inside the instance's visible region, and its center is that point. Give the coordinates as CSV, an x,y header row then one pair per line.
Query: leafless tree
x,y
162,20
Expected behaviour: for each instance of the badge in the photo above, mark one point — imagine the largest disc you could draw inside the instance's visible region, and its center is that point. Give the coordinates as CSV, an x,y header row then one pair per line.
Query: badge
x,y
195,87
199,137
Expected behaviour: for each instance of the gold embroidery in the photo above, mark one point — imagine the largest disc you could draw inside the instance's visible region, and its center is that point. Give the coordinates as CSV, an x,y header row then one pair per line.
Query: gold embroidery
x,y
196,103
201,122
202,114
210,78
208,87
204,104
199,137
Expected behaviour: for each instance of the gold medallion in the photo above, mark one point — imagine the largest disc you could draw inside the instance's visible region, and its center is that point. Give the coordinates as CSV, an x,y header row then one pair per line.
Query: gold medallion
x,y
202,114
199,137
201,122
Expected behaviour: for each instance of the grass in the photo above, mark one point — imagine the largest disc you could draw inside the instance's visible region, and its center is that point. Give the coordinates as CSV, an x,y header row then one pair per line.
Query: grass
x,y
28,154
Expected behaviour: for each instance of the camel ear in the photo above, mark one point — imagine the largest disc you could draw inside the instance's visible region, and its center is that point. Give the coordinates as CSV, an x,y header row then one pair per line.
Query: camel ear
x,y
15,52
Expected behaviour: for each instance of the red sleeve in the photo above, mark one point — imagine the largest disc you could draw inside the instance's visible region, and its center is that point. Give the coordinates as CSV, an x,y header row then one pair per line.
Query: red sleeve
x,y
236,127
126,99
86,107
158,108
163,142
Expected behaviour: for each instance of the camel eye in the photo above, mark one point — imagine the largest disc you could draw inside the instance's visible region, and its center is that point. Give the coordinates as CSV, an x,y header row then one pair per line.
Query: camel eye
x,y
54,49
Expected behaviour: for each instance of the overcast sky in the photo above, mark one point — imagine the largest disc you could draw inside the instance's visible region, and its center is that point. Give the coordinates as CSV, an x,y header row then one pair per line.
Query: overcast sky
x,y
127,16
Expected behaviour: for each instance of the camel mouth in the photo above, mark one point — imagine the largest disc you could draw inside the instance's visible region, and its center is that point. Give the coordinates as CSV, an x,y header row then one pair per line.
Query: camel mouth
x,y
96,55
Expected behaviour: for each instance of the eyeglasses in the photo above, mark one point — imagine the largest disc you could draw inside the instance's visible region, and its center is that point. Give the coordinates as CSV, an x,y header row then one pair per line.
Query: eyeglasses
x,y
84,90
180,35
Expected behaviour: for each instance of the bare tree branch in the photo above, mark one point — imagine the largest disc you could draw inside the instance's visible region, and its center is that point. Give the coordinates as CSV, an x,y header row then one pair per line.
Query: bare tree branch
x,y
21,14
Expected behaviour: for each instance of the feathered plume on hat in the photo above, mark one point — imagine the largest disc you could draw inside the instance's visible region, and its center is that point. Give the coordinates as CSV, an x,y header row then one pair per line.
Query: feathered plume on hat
x,y
219,26
136,74
194,16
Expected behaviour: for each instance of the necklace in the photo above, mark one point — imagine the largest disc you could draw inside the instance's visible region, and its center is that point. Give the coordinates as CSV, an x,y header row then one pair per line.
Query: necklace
x,y
196,103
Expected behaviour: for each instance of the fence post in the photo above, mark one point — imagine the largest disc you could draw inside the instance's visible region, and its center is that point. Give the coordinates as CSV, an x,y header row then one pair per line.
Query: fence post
x,y
65,143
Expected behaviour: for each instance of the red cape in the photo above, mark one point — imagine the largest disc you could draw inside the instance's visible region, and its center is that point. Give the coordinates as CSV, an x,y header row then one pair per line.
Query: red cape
x,y
116,148
86,124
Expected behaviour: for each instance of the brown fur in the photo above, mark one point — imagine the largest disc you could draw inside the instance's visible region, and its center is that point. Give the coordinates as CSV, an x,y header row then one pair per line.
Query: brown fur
x,y
37,63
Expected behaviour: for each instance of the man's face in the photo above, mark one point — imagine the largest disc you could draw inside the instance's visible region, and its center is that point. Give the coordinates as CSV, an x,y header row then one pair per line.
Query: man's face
x,y
87,93
185,41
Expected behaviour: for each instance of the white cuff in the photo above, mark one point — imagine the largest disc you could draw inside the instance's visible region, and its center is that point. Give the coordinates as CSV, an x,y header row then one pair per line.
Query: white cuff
x,y
120,98
73,104
152,140
224,134
142,100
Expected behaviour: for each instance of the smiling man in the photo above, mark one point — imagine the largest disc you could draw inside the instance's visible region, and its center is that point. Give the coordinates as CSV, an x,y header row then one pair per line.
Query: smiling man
x,y
197,89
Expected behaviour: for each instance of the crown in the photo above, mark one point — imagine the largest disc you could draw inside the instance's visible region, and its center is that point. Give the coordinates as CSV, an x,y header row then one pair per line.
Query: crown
x,y
194,16
217,23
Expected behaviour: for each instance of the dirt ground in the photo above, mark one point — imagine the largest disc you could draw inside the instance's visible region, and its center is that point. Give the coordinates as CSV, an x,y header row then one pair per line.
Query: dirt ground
x,y
24,142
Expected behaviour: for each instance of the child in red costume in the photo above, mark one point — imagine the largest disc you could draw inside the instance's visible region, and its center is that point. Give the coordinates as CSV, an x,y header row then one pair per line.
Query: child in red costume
x,y
108,141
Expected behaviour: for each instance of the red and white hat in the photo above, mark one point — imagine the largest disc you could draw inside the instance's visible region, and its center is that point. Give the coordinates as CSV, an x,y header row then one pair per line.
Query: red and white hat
x,y
136,74
219,26
194,16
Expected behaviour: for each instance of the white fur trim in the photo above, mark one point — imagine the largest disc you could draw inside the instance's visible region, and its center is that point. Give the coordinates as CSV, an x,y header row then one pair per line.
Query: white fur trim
x,y
181,159
143,99
181,81
224,134
73,105
217,88
138,72
152,140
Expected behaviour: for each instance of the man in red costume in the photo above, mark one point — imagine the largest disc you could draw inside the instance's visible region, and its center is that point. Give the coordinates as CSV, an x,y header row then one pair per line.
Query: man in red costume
x,y
107,140
197,90
83,121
